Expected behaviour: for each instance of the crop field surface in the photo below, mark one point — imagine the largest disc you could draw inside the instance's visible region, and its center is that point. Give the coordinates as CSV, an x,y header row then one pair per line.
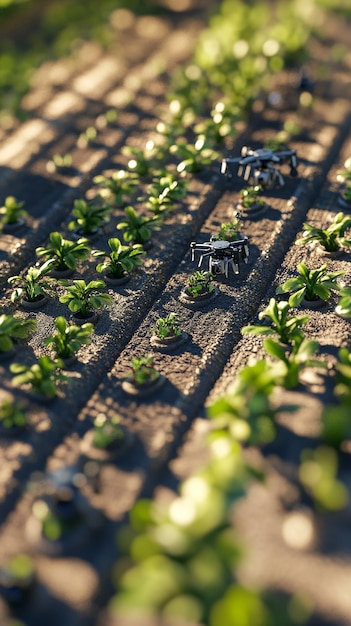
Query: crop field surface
x,y
228,502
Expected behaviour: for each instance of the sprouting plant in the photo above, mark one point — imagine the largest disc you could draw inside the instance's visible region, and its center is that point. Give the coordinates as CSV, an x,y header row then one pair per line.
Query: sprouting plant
x,y
347,191
249,196
143,161
12,414
87,137
12,211
107,431
12,327
343,308
345,173
119,186
164,193
199,283
291,364
332,238
246,412
168,326
44,376
69,338
88,216
33,285
64,253
310,284
122,259
229,231
83,298
143,370
318,474
283,323
138,228
194,157
60,162
220,125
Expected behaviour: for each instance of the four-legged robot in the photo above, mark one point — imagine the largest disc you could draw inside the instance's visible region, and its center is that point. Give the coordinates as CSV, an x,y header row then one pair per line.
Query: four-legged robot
x,y
222,254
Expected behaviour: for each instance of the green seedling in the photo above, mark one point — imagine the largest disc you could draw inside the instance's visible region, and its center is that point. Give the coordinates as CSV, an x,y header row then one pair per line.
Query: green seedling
x,y
199,283
13,328
168,326
122,259
283,324
164,193
64,253
12,414
318,475
143,161
138,228
43,377
119,186
229,231
246,412
33,286
332,238
69,338
89,216
60,162
12,211
84,298
107,431
220,125
310,284
249,197
143,370
343,308
291,364
194,157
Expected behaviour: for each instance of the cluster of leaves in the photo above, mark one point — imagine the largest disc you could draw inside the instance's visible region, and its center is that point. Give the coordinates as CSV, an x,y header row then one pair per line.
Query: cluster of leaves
x,y
143,370
331,238
199,283
168,326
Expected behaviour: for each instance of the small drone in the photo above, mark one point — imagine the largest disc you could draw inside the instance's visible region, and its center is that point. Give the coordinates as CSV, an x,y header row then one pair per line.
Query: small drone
x,y
222,254
259,166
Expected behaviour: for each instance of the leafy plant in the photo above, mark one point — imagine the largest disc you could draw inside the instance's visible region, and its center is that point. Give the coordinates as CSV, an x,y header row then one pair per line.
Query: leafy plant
x,y
194,157
246,412
12,327
69,338
143,161
283,323
310,284
343,308
138,228
318,474
143,370
122,259
346,193
11,414
249,196
168,326
220,125
12,211
64,253
33,286
199,283
164,193
43,376
59,162
290,365
345,173
83,298
229,231
120,185
89,216
107,431
332,238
